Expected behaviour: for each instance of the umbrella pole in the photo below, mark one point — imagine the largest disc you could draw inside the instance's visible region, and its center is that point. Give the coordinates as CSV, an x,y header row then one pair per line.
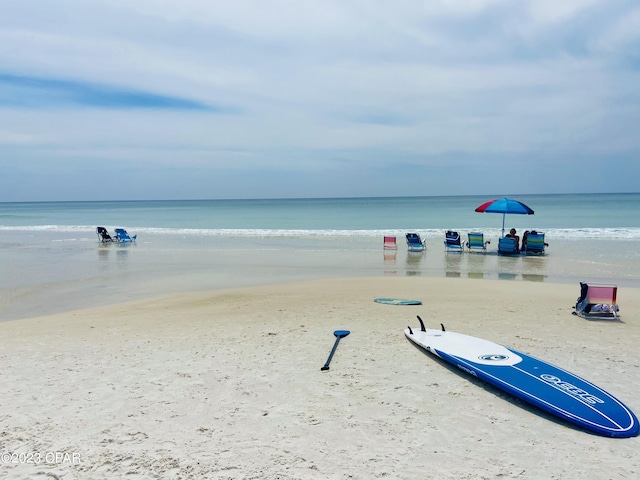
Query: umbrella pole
x,y
503,215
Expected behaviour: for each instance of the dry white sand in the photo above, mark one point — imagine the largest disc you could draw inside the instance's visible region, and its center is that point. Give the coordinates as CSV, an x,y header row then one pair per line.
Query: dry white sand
x,y
227,385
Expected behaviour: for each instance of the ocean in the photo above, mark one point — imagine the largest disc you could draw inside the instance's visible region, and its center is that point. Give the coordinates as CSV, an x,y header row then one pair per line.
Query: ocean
x,y
51,260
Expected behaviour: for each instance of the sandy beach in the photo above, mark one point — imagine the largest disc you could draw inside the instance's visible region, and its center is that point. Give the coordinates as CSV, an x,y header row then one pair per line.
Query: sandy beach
x,y
227,384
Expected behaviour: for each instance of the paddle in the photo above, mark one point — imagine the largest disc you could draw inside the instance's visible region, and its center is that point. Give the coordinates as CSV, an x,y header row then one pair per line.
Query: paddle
x,y
339,334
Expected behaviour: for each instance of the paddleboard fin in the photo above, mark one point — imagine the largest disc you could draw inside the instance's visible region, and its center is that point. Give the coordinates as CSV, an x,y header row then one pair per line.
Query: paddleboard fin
x,y
410,331
442,327
422,329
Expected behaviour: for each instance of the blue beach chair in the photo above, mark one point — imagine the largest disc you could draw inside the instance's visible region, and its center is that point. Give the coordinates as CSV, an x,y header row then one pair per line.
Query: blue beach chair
x,y
415,243
123,237
507,246
452,241
533,243
476,241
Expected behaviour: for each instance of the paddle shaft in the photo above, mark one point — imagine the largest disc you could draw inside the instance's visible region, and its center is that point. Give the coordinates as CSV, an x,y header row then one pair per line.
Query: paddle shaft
x,y
333,350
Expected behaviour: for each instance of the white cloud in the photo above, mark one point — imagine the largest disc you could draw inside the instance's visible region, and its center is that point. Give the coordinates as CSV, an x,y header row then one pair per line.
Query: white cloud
x,y
622,35
553,11
13,138
316,85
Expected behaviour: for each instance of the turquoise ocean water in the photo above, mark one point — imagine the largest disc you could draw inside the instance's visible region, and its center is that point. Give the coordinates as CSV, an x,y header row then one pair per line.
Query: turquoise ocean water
x,y
51,260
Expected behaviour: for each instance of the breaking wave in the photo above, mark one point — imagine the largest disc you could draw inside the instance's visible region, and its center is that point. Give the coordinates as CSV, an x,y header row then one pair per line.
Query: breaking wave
x,y
627,233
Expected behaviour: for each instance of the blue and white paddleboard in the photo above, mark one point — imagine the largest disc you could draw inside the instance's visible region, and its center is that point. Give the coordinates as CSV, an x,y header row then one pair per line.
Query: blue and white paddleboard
x,y
539,383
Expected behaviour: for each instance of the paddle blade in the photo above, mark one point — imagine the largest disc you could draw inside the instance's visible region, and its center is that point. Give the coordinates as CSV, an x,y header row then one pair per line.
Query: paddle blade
x,y
341,333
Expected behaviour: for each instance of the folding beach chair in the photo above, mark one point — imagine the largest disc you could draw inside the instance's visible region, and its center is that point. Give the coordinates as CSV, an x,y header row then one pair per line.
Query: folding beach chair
x,y
507,246
476,241
533,243
597,302
390,243
123,237
103,235
452,241
415,243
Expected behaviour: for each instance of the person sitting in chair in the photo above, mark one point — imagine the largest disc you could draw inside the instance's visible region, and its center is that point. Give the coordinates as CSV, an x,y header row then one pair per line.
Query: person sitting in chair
x,y
512,234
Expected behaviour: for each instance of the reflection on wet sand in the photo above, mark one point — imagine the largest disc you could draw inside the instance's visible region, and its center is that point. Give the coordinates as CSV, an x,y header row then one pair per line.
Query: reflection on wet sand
x,y
478,265
389,261
453,264
414,259
531,277
105,253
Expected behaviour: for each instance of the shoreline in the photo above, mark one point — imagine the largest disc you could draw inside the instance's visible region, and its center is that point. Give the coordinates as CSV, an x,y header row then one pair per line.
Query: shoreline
x,y
51,278
227,384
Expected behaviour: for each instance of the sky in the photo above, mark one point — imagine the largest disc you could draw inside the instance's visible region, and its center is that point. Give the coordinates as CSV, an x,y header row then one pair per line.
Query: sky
x,y
206,99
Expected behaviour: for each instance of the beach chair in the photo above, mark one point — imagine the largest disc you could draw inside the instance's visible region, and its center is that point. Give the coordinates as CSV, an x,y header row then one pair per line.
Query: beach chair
x,y
597,302
103,235
533,243
452,241
390,243
123,237
415,243
476,241
507,246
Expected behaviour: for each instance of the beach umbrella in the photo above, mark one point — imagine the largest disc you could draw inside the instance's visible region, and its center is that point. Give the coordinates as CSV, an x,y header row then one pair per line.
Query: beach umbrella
x,y
504,206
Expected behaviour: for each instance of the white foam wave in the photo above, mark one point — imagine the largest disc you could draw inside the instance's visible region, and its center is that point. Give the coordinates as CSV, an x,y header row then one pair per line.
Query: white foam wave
x,y
626,233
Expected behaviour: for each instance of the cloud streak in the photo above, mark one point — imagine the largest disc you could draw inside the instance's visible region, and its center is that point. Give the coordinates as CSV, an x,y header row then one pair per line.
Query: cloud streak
x,y
31,92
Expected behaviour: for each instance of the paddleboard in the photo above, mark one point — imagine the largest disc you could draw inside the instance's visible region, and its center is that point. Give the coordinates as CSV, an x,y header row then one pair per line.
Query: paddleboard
x,y
539,383
397,301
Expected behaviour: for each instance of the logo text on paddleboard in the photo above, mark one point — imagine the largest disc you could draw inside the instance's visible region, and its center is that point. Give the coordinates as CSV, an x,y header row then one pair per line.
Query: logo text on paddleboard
x,y
571,389
493,357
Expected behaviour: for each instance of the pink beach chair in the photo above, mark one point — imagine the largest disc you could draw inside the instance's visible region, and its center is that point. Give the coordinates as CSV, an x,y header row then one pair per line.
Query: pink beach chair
x,y
390,243
597,301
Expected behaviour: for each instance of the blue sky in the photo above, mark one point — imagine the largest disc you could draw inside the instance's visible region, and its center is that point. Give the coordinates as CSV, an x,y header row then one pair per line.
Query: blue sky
x,y
193,99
